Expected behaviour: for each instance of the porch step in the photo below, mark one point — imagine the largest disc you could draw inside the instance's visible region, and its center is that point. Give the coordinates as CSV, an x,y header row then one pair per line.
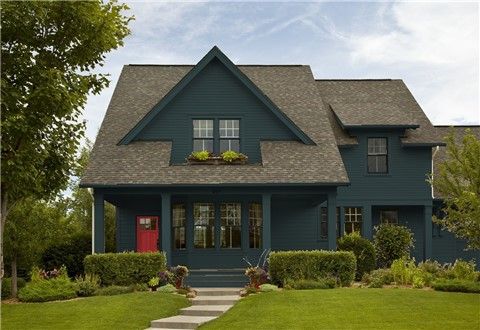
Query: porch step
x,y
223,291
181,322
215,300
205,310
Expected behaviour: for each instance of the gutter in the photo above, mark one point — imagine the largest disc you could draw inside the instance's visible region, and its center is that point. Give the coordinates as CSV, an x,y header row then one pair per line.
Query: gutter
x,y
433,157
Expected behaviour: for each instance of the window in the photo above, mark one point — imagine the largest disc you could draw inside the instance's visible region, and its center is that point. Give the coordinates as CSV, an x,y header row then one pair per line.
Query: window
x,y
147,223
229,135
231,219
178,226
255,220
377,155
390,216
204,222
353,219
324,222
203,135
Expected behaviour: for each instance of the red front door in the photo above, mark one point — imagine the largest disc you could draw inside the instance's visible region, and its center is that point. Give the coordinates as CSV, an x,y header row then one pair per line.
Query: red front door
x,y
147,233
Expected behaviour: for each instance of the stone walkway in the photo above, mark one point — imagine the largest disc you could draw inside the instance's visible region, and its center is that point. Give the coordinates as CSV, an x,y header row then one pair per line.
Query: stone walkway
x,y
209,304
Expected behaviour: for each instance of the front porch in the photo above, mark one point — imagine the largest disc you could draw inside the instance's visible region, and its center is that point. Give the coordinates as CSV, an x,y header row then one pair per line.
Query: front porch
x,y
217,228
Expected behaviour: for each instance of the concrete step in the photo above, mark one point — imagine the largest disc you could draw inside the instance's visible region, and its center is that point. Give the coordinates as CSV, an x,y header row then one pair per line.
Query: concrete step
x,y
215,300
217,291
205,310
181,322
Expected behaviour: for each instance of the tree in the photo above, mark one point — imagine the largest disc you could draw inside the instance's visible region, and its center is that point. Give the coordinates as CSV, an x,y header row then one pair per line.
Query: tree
x,y
458,182
34,226
49,51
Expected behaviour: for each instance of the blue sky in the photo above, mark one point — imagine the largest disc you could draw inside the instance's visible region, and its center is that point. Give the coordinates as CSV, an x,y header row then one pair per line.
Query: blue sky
x,y
433,47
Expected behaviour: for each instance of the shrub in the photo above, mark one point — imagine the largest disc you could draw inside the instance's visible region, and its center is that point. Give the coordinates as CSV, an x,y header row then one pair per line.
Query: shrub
x,y
391,242
114,290
125,268
363,250
139,287
168,288
70,253
288,266
432,267
402,270
154,282
59,288
327,283
257,276
456,286
7,286
462,270
86,286
268,288
378,278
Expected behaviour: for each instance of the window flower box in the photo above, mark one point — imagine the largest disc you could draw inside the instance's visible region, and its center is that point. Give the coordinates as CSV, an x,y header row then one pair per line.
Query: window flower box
x,y
196,159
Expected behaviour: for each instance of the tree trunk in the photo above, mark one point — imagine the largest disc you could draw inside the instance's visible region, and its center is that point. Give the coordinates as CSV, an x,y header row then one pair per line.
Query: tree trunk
x,y
14,276
3,217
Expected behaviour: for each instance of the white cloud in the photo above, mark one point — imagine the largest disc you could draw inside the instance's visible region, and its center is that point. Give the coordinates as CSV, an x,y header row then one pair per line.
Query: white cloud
x,y
439,38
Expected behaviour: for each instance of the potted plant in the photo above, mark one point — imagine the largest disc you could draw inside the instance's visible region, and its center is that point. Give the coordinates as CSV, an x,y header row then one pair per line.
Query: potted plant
x,y
154,283
228,157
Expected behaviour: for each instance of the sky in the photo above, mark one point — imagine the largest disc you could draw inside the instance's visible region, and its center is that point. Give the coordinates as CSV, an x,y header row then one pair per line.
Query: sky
x,y
433,47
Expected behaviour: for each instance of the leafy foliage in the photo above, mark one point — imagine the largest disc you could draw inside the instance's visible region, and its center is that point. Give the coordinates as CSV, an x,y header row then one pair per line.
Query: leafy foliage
x,y
7,286
268,287
230,156
41,289
167,288
85,286
458,182
362,248
125,268
326,283
378,278
113,290
456,285
288,266
70,253
391,242
200,155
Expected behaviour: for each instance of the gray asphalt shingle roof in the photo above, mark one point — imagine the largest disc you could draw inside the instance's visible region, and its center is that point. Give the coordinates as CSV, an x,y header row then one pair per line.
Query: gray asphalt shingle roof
x,y
377,102
140,88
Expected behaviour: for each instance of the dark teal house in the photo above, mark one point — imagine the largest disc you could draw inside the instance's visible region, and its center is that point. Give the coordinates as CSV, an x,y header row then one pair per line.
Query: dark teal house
x,y
325,157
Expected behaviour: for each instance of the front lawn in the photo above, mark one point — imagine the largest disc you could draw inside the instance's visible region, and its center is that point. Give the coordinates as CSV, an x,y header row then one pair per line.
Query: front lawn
x,y
353,309
126,311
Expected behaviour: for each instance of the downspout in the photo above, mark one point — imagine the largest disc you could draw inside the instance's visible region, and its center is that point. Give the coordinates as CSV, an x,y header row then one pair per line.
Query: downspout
x,y
433,157
93,220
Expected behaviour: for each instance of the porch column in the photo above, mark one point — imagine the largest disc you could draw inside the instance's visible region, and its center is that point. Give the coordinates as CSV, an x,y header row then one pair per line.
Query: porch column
x,y
427,214
166,227
98,223
332,219
266,210
367,221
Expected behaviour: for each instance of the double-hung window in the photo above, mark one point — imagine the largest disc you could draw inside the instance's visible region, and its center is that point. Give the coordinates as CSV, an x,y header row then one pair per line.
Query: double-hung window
x,y
377,155
229,130
353,219
231,219
389,216
203,135
204,222
255,220
178,226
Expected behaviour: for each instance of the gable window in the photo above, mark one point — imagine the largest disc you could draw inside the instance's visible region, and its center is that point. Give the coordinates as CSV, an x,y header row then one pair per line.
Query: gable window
x,y
203,135
353,220
389,216
204,222
178,226
377,155
229,135
255,219
231,218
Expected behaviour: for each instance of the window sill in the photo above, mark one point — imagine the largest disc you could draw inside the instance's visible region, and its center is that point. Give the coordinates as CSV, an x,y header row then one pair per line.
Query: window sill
x,y
378,174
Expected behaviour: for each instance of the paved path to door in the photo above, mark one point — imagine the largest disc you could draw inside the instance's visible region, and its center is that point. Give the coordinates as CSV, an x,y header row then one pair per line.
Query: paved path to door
x,y
209,304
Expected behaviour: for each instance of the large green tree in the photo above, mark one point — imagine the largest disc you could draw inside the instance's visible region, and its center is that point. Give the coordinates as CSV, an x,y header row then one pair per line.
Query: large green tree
x,y
49,50
458,182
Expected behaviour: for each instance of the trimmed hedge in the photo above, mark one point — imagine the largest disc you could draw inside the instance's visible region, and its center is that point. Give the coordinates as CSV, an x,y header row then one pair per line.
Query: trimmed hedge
x,y
364,252
125,268
292,266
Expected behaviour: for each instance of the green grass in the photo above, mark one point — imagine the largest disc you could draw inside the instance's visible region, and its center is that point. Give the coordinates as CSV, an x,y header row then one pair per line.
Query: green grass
x,y
126,311
353,309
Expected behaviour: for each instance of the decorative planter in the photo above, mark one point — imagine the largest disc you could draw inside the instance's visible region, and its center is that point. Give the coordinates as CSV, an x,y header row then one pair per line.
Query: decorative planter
x,y
216,160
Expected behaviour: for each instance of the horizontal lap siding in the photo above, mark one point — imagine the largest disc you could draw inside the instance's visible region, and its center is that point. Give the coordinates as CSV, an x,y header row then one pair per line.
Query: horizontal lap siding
x,y
295,225
215,92
447,248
